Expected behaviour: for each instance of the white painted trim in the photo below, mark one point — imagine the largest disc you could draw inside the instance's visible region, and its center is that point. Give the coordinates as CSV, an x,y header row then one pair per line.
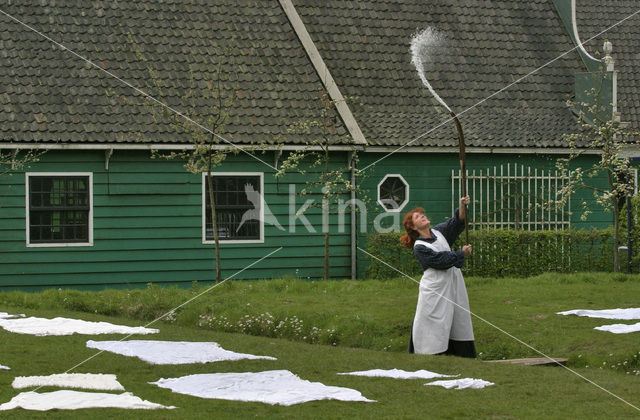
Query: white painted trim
x,y
369,149
204,209
323,72
174,146
630,151
574,26
614,94
406,199
26,196
481,150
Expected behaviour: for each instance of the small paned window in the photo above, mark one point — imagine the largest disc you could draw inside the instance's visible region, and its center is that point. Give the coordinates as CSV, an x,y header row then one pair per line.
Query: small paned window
x,y
238,202
393,192
59,209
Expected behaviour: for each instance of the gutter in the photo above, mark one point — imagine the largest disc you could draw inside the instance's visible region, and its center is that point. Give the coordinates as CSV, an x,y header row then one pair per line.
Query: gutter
x,y
161,146
354,226
337,148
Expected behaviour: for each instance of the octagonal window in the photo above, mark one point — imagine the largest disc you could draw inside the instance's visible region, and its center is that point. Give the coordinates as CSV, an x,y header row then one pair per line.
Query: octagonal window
x,y
393,192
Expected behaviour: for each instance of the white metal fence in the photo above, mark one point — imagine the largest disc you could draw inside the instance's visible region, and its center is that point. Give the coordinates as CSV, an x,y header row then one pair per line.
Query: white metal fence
x,y
512,196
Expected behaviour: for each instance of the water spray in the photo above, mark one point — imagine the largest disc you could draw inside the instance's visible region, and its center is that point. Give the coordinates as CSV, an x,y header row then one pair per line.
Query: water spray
x,y
424,46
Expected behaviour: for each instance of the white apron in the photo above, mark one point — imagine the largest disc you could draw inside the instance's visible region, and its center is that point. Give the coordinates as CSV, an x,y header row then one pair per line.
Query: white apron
x,y
437,318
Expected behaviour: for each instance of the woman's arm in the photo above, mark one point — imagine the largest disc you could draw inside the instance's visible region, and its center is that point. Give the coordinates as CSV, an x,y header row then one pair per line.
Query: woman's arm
x,y
453,227
442,260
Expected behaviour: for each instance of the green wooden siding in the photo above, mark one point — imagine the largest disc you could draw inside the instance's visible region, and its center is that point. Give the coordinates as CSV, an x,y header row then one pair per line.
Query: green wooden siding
x,y
429,179
147,218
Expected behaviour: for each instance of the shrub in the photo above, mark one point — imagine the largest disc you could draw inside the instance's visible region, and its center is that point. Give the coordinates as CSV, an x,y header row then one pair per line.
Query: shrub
x,y
635,234
502,252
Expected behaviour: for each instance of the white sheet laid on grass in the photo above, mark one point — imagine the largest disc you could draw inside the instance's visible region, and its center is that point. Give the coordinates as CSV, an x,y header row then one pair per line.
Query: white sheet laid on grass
x,y
463,383
628,313
399,374
67,326
2,367
74,400
620,328
272,387
172,352
4,315
104,382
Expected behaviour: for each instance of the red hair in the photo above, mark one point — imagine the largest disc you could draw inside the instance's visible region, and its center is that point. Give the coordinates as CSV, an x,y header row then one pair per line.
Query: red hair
x,y
412,234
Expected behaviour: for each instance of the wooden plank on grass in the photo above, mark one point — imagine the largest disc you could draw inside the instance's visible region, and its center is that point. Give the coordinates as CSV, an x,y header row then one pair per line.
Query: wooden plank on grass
x,y
533,361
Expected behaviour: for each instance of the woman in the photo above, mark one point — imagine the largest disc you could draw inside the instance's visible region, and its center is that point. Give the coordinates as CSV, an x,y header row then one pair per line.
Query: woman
x,y
442,324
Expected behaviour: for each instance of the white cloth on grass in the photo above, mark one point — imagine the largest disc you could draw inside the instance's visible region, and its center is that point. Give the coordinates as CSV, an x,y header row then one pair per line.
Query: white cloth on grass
x,y
106,382
462,383
172,352
442,312
272,387
66,326
627,313
73,400
620,328
399,374
4,315
5,367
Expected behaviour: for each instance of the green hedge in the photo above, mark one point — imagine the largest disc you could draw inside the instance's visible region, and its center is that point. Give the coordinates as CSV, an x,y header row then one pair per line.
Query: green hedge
x,y
501,252
635,234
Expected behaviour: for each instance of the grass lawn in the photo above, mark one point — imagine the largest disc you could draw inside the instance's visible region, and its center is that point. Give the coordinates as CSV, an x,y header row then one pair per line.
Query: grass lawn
x,y
353,326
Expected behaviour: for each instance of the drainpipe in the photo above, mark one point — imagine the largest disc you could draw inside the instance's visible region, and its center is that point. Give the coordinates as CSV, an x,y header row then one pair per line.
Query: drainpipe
x,y
354,225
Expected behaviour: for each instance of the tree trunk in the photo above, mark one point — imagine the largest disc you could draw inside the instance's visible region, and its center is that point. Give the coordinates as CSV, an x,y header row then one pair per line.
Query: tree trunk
x,y
326,255
325,212
616,237
214,224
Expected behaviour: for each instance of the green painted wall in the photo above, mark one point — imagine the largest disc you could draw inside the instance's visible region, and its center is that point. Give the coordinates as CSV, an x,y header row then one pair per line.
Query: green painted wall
x,y
429,178
147,227
147,219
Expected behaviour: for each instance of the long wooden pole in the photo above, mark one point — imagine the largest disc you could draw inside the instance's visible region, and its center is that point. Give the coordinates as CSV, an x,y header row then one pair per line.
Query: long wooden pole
x,y
463,172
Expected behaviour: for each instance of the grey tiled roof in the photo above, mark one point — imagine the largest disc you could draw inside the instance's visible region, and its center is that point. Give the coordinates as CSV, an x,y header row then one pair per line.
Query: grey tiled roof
x,y
594,17
492,44
49,95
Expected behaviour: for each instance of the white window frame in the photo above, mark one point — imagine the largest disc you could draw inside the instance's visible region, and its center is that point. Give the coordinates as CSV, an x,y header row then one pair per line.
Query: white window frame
x,y
27,209
204,209
406,199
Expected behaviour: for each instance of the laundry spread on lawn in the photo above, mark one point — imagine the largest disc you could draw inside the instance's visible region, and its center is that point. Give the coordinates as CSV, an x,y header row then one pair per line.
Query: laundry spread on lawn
x,y
628,313
463,383
4,315
172,352
66,326
105,382
620,328
2,367
399,374
74,400
272,387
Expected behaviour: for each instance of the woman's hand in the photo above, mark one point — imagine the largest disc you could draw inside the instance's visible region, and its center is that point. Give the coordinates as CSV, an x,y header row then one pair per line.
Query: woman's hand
x,y
467,250
462,208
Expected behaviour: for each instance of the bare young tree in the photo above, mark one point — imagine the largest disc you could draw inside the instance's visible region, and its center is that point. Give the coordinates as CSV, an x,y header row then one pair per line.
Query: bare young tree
x,y
207,98
331,181
17,160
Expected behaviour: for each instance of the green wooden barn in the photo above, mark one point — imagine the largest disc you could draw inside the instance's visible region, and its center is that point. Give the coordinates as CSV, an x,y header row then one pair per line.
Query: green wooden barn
x,y
99,208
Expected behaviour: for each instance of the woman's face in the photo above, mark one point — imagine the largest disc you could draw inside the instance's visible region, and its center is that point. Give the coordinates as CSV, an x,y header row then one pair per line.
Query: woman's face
x,y
420,221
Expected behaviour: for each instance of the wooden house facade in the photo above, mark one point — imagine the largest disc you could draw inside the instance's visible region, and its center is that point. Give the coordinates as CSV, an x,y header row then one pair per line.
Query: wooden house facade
x,y
100,209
